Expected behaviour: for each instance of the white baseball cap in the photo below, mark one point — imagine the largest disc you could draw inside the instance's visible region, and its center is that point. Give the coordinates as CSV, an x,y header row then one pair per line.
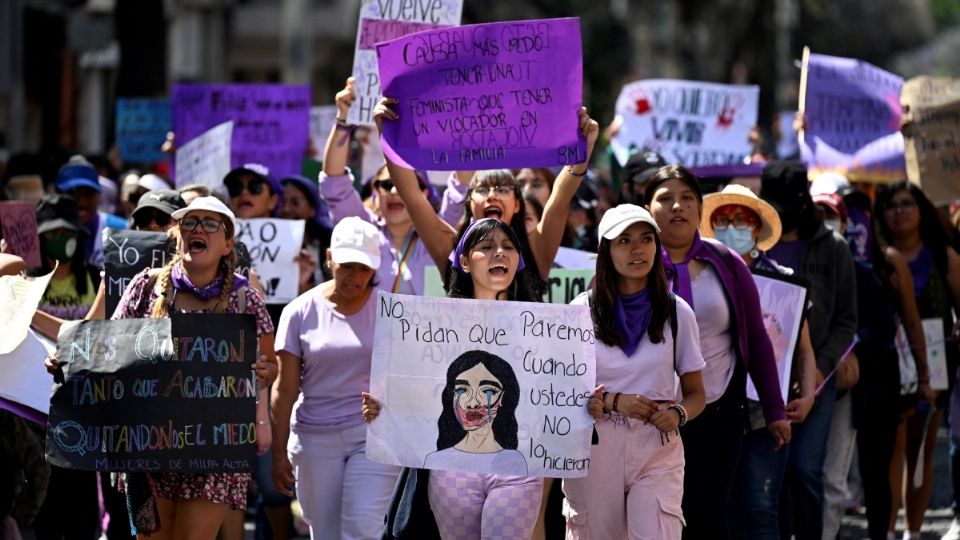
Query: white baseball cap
x,y
355,241
210,204
617,219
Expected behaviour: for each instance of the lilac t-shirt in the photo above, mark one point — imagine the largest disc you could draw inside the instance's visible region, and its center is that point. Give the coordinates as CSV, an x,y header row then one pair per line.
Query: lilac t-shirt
x,y
335,352
649,372
716,342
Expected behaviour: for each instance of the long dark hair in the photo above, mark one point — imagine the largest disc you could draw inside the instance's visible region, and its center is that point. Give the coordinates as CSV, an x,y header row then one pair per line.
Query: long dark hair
x,y
450,432
522,288
605,295
498,177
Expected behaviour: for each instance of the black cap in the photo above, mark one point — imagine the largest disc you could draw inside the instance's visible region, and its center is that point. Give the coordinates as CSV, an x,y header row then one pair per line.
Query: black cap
x,y
167,201
784,184
641,166
58,212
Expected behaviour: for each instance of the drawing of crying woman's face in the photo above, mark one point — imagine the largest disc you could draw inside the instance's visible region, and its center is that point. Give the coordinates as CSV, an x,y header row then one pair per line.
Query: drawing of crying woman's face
x,y
480,401
476,397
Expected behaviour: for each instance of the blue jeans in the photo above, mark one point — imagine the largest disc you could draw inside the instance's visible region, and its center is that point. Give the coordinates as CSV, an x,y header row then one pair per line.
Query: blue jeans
x,y
758,486
804,479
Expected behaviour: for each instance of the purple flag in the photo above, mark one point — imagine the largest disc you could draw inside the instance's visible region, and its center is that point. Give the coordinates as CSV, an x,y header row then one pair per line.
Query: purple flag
x,y
853,117
485,96
271,122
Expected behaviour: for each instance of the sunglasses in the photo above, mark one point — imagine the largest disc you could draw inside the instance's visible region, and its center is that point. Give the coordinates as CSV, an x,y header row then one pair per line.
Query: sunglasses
x,y
387,185
210,225
143,218
255,187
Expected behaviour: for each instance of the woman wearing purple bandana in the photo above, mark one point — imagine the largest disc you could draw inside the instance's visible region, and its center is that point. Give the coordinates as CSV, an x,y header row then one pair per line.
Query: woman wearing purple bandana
x,y
649,344
199,278
717,284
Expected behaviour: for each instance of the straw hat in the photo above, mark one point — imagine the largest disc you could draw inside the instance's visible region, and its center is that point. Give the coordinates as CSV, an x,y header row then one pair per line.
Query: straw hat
x,y
737,194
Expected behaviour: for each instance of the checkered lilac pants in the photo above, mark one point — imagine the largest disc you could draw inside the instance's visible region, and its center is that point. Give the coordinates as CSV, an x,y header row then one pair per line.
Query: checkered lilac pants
x,y
468,506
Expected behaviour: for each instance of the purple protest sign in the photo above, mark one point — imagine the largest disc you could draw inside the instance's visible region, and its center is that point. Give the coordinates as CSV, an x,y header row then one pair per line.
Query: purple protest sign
x,y
853,116
485,96
271,122
18,220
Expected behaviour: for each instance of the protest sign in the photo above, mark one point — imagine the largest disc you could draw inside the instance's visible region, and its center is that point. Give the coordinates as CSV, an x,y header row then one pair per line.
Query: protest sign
x,y
783,301
271,122
18,220
486,96
19,298
273,245
383,20
171,395
691,123
322,119
936,357
141,129
25,380
563,285
445,369
852,112
205,159
932,106
125,254
575,259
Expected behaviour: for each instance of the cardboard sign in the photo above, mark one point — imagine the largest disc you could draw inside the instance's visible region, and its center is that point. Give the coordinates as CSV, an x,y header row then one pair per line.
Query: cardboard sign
x,y
19,298
170,395
141,129
933,141
448,372
125,254
853,117
383,20
783,301
691,123
270,121
563,285
25,381
206,159
485,96
273,245
18,220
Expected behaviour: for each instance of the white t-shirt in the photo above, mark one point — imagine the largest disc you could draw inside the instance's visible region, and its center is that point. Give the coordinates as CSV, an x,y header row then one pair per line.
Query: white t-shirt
x,y
716,341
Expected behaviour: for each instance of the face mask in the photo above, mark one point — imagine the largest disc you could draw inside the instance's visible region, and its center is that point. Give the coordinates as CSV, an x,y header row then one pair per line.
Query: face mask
x,y
61,248
739,239
833,224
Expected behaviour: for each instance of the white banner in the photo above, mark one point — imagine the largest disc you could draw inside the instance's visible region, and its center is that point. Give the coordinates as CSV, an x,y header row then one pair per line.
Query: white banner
x,y
695,124
206,159
449,373
274,245
383,20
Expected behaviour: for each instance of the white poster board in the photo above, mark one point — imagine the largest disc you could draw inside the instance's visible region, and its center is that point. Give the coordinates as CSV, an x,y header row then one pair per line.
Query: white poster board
x,y
206,159
322,119
19,298
782,301
936,358
380,21
691,123
274,245
449,372
25,380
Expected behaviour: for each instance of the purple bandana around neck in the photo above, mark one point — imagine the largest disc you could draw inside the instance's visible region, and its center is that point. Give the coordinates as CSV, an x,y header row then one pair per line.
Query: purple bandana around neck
x,y
215,288
461,245
632,317
680,272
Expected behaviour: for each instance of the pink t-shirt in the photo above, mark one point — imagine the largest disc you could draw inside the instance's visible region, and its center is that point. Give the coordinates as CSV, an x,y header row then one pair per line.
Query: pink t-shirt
x,y
649,372
335,352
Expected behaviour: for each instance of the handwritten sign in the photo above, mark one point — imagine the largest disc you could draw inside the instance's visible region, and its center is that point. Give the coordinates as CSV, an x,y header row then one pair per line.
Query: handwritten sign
x,y
270,121
498,95
692,123
384,20
936,357
173,395
125,254
853,116
273,244
18,220
206,159
25,381
563,285
783,300
19,298
933,144
445,369
141,129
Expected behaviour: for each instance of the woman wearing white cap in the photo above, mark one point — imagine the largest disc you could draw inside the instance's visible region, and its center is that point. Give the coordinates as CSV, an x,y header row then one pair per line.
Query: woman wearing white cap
x,y
199,278
748,225
648,344
325,343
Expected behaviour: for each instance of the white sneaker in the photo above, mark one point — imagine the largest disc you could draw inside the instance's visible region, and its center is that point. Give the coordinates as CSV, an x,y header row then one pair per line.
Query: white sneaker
x,y
953,533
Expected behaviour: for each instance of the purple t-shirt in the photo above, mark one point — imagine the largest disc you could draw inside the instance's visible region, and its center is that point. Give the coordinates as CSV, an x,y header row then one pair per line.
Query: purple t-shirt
x,y
335,352
788,253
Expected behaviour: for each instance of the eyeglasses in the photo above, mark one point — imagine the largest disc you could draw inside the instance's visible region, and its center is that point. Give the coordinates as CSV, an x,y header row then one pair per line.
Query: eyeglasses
x,y
906,205
254,186
503,190
143,218
210,225
739,221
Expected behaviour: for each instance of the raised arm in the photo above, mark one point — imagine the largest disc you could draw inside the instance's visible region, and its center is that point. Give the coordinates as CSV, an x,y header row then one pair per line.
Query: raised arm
x,y
337,150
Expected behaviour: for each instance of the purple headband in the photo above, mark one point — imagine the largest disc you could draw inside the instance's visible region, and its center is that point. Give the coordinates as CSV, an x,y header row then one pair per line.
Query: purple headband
x,y
461,245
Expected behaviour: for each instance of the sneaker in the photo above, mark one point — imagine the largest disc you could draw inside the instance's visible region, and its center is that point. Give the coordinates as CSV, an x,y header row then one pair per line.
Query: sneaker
x,y
953,533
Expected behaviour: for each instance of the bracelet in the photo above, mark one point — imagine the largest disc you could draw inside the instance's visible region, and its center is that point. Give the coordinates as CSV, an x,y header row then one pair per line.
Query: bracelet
x,y
681,412
341,121
616,399
574,172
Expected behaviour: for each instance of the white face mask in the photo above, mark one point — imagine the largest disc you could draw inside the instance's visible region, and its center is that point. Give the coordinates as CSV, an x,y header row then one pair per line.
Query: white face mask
x,y
739,239
833,224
